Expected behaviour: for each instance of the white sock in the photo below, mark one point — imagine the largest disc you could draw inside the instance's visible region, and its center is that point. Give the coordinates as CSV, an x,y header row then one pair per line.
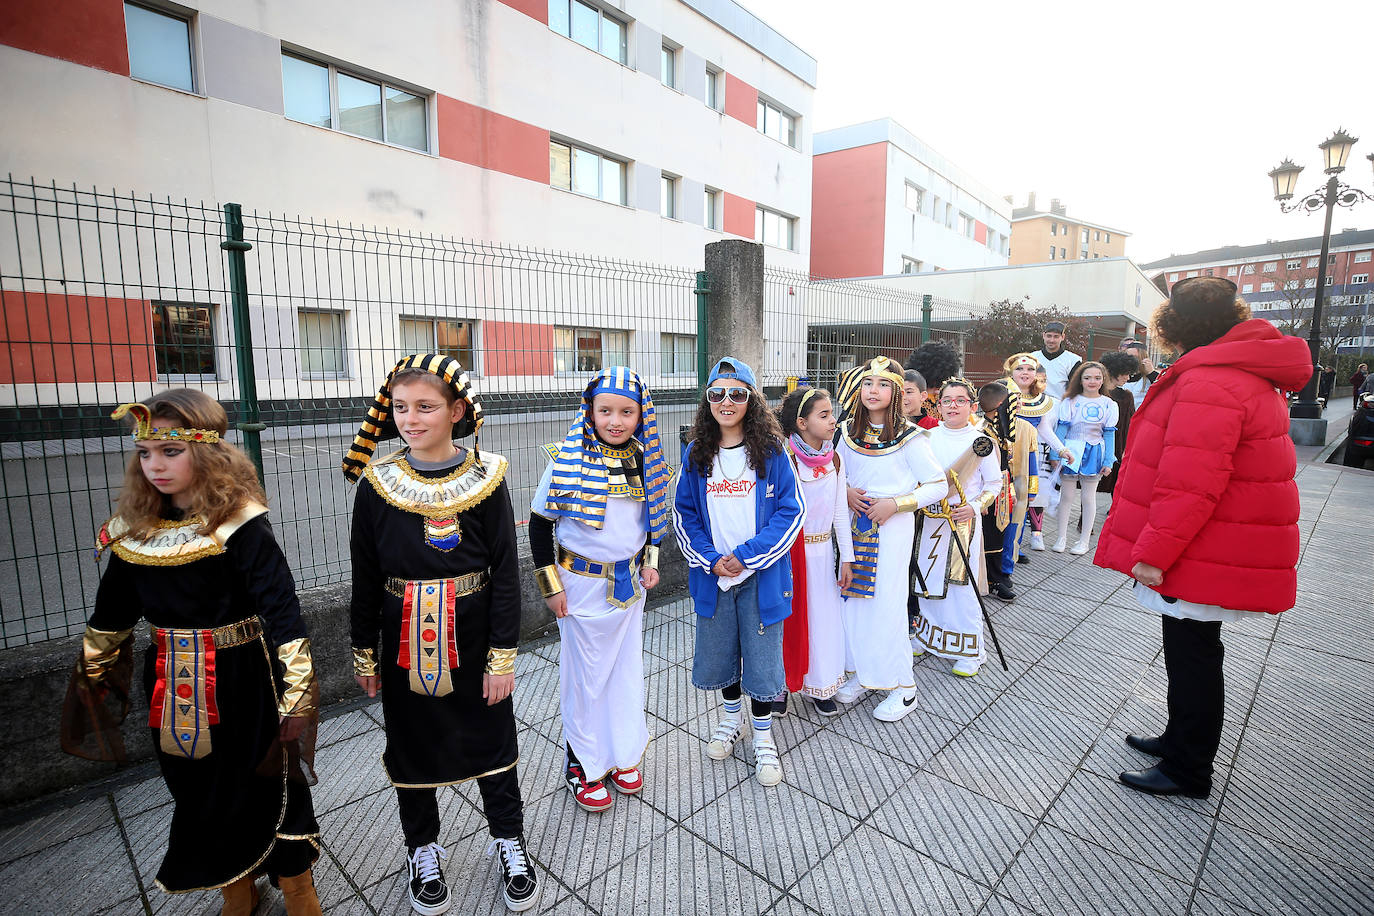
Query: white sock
x,y
1065,507
763,728
1089,487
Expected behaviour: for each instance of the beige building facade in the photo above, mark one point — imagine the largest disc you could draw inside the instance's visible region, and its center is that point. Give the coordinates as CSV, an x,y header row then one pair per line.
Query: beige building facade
x,y
1053,235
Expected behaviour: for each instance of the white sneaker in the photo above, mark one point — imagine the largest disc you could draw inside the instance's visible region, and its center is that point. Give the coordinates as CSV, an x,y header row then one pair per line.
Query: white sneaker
x,y
850,692
1060,545
967,667
899,702
723,738
1037,541
767,763
1079,549
918,648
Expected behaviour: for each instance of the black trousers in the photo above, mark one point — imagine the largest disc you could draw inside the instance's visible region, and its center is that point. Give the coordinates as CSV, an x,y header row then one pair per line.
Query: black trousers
x,y
1193,659
500,800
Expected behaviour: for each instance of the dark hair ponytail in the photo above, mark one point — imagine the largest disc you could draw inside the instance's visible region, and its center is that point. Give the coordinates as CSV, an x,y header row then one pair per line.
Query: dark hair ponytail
x,y
792,408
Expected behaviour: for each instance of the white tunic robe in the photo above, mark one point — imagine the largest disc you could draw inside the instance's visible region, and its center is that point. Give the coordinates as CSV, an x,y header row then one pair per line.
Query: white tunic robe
x,y
827,510
952,626
877,651
601,660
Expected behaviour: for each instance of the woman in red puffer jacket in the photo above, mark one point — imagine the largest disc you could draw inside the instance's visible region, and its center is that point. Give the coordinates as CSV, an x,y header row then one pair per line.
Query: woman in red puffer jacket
x,y
1205,514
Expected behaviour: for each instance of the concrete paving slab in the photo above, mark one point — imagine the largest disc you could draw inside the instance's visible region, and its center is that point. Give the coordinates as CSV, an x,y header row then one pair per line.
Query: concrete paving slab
x,y
78,875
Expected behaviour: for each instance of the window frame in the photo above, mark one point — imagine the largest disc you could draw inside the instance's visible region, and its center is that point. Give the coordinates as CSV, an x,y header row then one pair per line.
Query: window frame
x,y
577,333
1270,267
715,88
600,172
472,364
213,346
1359,279
674,338
1268,283
712,216
384,84
763,108
668,59
345,369
913,263
761,216
920,196
668,188
623,55
1363,257
186,16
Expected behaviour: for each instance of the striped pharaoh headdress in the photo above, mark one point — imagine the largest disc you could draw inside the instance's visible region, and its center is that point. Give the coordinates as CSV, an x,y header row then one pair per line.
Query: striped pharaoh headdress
x,y
378,425
581,471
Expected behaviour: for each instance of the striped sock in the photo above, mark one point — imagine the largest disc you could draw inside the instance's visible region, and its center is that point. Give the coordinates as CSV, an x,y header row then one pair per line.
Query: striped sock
x,y
763,726
732,707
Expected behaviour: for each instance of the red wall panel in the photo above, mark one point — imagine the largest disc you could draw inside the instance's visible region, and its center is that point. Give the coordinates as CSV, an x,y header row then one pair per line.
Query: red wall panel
x,y
739,215
52,337
741,101
980,232
515,348
848,211
87,32
538,9
484,138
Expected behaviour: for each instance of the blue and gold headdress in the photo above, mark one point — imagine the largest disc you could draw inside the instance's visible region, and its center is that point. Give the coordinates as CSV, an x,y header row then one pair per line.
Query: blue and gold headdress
x,y
581,476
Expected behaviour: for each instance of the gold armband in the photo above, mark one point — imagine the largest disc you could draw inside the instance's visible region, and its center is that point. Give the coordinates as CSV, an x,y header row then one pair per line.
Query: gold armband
x,y
100,649
907,502
982,502
546,577
365,662
298,671
650,556
501,661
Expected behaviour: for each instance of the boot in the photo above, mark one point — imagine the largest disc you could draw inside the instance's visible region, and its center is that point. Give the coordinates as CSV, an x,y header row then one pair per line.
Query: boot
x,y
240,898
299,894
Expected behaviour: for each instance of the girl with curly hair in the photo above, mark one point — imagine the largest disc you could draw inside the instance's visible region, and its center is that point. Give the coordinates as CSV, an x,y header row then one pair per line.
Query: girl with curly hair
x,y
737,511
234,700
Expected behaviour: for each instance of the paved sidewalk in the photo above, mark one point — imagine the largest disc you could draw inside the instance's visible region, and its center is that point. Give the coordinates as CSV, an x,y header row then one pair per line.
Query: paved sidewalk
x,y
998,796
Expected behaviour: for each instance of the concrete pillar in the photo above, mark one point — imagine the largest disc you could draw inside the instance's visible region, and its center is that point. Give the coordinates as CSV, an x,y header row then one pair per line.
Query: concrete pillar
x,y
734,324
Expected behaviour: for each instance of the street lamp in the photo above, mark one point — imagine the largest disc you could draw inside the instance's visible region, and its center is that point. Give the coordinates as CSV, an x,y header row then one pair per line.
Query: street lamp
x,y
1307,427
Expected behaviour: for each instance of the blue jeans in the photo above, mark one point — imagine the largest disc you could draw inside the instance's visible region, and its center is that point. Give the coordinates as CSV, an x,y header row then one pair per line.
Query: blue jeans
x,y
736,639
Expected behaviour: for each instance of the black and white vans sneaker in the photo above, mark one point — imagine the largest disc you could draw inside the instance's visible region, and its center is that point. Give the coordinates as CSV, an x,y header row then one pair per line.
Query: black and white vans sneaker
x,y
429,894
520,888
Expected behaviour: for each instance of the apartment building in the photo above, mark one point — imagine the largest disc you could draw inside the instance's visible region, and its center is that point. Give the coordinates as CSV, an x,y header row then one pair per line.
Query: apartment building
x,y
1053,235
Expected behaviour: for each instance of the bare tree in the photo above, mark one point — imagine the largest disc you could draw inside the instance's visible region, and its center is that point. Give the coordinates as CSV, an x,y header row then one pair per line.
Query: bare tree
x,y
1295,282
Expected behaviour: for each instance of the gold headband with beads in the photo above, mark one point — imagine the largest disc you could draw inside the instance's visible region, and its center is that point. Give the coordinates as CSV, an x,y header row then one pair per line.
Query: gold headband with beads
x,y
1022,359
806,397
145,431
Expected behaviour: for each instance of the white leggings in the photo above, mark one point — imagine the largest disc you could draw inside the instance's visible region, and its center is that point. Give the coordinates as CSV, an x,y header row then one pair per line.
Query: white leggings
x,y
1088,502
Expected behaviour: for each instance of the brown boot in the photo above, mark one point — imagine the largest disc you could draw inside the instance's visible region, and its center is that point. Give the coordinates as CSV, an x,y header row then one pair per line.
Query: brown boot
x,y
240,898
299,894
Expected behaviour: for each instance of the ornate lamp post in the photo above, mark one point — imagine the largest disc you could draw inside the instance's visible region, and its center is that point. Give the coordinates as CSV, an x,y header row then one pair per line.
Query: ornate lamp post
x,y
1335,151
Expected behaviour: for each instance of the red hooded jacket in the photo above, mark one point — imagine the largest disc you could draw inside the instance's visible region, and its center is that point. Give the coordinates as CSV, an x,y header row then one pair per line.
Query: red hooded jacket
x,y
1206,491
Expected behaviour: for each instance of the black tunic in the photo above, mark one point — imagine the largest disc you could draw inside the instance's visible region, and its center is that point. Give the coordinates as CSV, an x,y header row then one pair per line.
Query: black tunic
x,y
233,805
436,741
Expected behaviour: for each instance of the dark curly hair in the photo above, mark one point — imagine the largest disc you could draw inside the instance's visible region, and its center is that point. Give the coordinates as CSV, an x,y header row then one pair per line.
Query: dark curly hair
x,y
1200,310
762,434
1120,362
936,360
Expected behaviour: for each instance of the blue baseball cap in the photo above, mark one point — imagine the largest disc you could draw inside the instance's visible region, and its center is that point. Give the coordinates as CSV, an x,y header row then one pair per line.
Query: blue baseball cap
x,y
732,368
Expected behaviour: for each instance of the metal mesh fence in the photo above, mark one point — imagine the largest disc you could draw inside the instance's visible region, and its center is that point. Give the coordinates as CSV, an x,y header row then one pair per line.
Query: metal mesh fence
x,y
108,298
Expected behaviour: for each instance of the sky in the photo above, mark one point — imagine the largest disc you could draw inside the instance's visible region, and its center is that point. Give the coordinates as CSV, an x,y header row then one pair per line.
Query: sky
x,y
1160,119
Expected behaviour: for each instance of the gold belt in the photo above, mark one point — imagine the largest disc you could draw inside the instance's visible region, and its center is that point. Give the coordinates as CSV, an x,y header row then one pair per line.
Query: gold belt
x,y
227,636
818,538
462,585
576,563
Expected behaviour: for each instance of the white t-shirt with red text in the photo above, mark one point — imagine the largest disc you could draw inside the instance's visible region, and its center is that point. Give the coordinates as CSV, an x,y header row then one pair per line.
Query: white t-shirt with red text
x,y
730,505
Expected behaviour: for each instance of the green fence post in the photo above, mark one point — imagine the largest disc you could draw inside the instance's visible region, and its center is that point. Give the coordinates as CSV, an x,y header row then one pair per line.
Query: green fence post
x,y
249,423
925,317
702,291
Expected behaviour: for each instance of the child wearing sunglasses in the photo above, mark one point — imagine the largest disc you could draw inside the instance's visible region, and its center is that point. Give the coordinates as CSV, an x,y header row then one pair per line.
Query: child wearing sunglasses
x,y
891,475
737,510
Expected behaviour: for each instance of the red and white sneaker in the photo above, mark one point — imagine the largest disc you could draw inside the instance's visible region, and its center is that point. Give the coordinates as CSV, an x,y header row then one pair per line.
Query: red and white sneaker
x,y
627,781
592,796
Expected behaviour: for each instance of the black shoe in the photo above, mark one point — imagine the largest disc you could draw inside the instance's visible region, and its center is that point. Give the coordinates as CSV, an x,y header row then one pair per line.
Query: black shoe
x,y
780,707
1023,559
428,893
1152,746
827,707
1001,590
1155,782
520,888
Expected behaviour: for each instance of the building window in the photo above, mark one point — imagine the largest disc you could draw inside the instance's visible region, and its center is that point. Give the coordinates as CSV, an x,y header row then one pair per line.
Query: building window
x,y
667,196
440,335
1309,283
949,216
1097,236
1248,269
1248,288
1085,236
965,225
1362,257
1357,299
1330,281
1232,271
322,344
1109,238
585,172
1293,265
774,229
159,47
1208,272
322,95
1270,267
1267,286
914,197
184,339
777,123
590,27
1063,255
1359,278
588,349
1313,262
679,353
1173,278
715,98
910,265
1084,254
1054,228
1052,253
712,208
667,67
1331,260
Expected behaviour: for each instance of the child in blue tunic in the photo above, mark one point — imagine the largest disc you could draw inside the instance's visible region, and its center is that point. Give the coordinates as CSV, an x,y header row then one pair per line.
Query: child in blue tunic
x,y
1086,417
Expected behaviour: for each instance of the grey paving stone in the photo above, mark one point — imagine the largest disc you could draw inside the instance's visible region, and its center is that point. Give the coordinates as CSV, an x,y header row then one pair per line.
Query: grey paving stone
x,y
1126,617
1103,639
1112,670
673,641
1047,731
1002,771
536,689
140,796
1209,905
871,873
1077,581
349,770
349,725
351,906
1046,598
1067,692
130,906
790,906
1021,616
1059,874
78,875
1266,877
671,697
1018,645
946,695
53,827
1164,837
1239,695
678,874
912,741
843,773
778,834
679,779
954,826
997,905
540,770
